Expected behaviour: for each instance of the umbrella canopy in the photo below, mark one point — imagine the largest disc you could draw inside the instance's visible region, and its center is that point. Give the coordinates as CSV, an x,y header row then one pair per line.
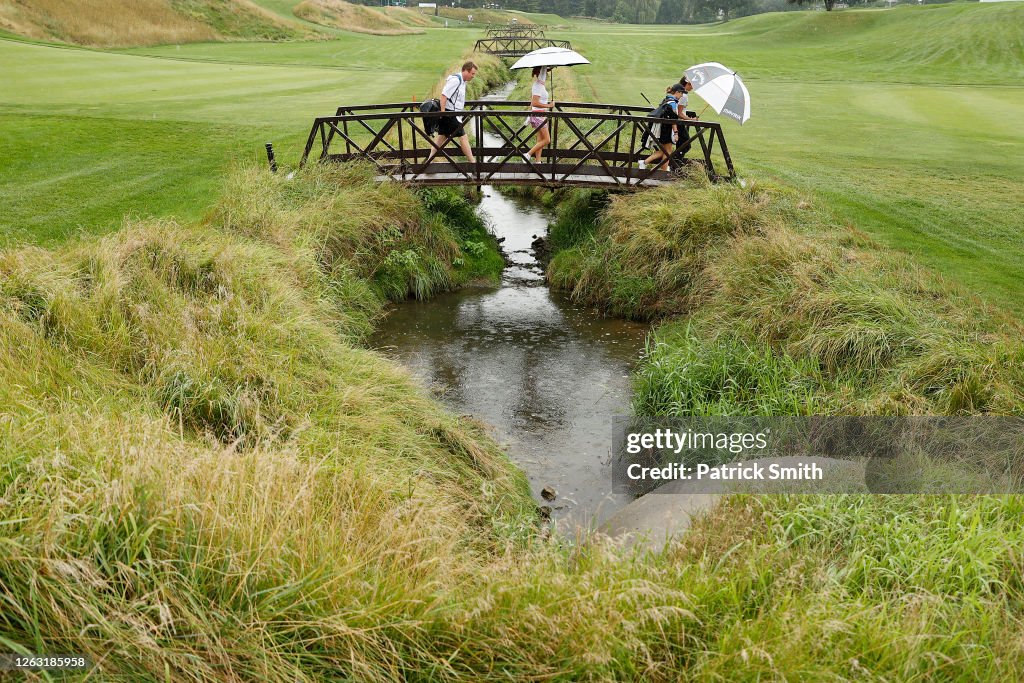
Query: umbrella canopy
x,y
550,56
721,88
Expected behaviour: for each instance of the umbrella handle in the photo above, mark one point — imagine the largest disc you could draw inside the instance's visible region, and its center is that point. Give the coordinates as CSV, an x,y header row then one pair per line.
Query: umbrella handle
x,y
703,110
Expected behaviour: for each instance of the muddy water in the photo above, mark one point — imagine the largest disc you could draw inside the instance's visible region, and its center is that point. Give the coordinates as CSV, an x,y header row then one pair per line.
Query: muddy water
x,y
547,375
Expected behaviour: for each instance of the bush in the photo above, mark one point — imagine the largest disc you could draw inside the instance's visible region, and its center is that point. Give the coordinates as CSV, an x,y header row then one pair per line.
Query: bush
x,y
774,292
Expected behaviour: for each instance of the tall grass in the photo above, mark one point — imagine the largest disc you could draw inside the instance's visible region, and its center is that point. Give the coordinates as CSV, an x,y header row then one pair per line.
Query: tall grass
x,y
492,72
194,443
409,17
204,478
786,311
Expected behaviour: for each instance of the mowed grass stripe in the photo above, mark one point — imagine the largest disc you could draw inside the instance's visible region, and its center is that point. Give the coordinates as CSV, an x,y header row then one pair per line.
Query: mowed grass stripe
x,y
126,86
94,136
75,175
927,167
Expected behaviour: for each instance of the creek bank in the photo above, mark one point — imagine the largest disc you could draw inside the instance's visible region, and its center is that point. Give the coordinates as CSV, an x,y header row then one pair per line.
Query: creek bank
x,y
547,375
769,307
185,403
765,306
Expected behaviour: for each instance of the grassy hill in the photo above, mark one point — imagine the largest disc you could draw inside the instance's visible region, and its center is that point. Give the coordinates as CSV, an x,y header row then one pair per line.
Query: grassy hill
x,y
115,23
483,16
350,17
205,476
904,120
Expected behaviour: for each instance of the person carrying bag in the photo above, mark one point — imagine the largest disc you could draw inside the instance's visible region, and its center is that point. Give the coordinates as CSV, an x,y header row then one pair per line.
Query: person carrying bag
x,y
453,99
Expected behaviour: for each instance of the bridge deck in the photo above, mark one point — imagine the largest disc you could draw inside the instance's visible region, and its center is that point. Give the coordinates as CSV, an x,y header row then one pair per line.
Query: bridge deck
x,y
593,145
492,172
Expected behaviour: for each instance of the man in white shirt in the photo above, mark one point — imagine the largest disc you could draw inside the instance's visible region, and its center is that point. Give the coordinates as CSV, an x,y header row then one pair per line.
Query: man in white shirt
x,y
453,99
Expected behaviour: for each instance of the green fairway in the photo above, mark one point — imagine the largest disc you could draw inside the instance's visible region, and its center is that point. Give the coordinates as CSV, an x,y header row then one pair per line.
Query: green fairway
x,y
910,122
93,136
907,121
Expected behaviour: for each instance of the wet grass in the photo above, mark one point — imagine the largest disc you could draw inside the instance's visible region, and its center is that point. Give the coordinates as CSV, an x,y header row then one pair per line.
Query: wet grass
x,y
196,446
902,120
206,478
781,309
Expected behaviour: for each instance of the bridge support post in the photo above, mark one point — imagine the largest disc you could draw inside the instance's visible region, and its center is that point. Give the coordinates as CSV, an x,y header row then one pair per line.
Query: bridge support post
x,y
478,131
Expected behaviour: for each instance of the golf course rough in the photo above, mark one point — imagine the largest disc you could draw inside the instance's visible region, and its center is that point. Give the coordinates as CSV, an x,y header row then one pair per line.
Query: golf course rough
x,y
205,476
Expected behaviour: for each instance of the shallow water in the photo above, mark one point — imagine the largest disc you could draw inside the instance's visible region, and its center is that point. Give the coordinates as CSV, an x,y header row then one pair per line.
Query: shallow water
x,y
547,375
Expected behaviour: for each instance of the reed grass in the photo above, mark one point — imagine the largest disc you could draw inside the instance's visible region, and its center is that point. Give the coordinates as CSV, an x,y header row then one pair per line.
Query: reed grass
x,y
206,478
779,308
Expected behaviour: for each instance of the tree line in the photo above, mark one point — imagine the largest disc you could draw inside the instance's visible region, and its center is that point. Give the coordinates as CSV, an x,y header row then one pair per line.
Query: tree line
x,y
641,11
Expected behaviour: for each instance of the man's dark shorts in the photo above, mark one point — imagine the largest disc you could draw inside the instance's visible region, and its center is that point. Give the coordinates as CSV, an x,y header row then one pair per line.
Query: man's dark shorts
x,y
450,127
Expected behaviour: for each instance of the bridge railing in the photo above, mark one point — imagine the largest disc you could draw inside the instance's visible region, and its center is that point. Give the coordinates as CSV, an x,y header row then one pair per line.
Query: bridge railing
x,y
591,145
516,46
514,27
531,31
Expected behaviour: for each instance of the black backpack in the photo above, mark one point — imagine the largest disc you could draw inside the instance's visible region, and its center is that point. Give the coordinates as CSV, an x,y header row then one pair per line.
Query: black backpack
x,y
663,110
430,123
653,132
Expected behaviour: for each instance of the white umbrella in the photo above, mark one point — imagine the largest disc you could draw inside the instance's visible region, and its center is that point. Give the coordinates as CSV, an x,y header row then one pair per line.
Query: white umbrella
x,y
722,89
549,57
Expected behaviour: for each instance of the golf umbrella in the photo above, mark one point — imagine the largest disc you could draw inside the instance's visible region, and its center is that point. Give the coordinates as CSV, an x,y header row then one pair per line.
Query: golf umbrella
x,y
722,89
549,57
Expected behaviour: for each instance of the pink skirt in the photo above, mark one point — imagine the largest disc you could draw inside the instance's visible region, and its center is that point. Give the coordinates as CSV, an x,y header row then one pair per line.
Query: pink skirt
x,y
536,120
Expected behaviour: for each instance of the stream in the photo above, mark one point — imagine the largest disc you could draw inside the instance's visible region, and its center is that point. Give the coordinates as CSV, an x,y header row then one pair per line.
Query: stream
x,y
546,375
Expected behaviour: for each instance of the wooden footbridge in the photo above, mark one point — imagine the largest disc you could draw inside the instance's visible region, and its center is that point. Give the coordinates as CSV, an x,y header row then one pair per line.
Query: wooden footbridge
x,y
592,145
516,45
516,31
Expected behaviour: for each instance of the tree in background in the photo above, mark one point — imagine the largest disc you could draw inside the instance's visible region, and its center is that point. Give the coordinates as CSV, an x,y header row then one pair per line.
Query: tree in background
x,y
829,4
646,11
624,13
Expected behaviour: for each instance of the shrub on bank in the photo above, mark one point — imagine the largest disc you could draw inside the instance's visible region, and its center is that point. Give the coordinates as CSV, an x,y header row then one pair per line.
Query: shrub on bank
x,y
204,478
813,316
193,445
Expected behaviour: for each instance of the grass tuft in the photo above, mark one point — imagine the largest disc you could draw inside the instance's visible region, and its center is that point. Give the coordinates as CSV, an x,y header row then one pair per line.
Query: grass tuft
x,y
785,312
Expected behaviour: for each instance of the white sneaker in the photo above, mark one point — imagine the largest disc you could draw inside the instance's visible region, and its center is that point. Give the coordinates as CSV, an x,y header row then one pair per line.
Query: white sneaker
x,y
641,165
528,158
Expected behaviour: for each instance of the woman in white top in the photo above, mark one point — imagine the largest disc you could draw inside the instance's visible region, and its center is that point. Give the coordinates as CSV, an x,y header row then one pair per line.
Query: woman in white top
x,y
539,103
